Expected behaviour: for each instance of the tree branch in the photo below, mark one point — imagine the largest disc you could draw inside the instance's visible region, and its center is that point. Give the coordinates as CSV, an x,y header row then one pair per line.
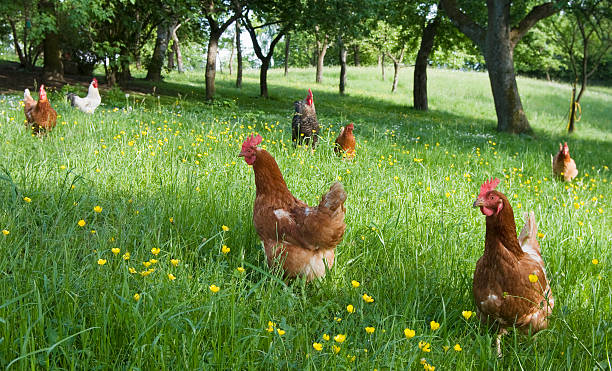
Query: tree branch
x,y
536,14
465,24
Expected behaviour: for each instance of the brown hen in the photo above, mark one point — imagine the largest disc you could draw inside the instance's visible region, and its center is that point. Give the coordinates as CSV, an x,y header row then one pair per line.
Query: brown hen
x,y
40,116
510,285
345,143
299,239
563,165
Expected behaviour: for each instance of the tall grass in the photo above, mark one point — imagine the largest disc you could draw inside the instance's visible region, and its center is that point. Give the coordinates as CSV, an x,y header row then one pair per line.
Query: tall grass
x,y
166,174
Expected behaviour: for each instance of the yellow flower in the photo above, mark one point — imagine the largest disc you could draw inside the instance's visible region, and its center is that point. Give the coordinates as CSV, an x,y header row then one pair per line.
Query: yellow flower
x,y
355,283
340,338
97,209
146,264
533,278
467,314
171,220
325,337
367,298
409,333
101,261
434,325
540,235
171,276
445,347
425,346
240,269
81,223
350,309
280,332
225,249
5,232
174,262
225,228
317,346
370,330
457,348
27,199
214,288
116,250
132,270
153,261
595,261
126,256
155,250
136,296
335,349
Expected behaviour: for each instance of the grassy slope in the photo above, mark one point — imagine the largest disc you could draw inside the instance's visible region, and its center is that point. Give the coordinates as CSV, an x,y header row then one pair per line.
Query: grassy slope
x,y
412,238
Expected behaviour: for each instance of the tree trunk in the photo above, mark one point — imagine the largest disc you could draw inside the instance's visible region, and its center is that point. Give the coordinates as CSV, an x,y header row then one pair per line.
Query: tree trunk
x,y
379,64
572,114
171,57
238,57
321,50
231,59
342,55
382,66
499,57
263,77
159,53
396,68
420,66
287,39
53,70
356,58
124,74
211,64
22,60
176,48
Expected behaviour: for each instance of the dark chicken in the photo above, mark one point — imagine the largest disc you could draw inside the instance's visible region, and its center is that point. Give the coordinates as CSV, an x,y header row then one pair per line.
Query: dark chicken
x,y
305,126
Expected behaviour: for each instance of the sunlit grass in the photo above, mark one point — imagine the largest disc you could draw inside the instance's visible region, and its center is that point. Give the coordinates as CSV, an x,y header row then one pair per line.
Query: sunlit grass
x,y
129,239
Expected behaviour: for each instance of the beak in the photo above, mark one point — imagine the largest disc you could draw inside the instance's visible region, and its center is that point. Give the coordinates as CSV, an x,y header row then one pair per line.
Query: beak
x,y
241,154
478,203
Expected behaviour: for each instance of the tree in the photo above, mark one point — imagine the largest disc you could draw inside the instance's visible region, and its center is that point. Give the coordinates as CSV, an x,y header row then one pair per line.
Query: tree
x,y
585,36
496,42
161,45
322,39
273,19
219,15
22,17
238,56
286,62
276,33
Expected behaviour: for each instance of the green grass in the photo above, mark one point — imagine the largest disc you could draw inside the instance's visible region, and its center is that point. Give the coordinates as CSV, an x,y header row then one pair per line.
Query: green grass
x,y
412,237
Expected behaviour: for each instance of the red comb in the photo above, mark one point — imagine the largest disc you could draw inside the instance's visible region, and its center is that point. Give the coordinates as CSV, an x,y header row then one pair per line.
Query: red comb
x,y
350,126
252,141
488,186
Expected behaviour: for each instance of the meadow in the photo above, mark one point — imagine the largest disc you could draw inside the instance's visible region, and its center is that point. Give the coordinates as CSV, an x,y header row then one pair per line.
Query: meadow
x,y
128,240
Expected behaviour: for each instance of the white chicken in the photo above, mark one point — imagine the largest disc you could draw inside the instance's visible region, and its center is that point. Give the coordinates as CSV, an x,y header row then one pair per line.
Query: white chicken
x,y
90,102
